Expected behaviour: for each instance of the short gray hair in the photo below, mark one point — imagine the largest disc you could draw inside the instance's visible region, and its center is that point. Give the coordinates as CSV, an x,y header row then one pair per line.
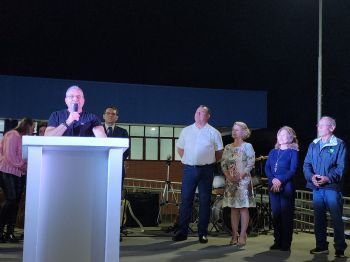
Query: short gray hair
x,y
244,127
331,120
74,87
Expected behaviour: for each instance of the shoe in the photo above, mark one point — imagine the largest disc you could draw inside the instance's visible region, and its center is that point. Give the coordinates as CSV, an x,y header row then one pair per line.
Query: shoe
x,y
339,253
11,238
318,250
234,241
179,237
203,239
2,234
2,238
275,246
285,249
242,240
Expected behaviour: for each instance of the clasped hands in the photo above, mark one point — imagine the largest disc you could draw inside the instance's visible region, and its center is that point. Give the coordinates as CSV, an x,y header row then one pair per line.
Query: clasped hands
x,y
234,177
276,185
319,180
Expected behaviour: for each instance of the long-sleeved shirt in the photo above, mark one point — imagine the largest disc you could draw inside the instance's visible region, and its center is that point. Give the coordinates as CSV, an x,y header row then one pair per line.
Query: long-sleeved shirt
x,y
11,160
281,164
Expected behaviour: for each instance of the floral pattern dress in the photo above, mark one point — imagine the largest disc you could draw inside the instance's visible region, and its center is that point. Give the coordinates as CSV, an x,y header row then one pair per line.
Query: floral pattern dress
x,y
240,160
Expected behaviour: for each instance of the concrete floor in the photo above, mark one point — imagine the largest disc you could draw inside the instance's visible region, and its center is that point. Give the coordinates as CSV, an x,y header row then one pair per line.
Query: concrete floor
x,y
152,246
155,245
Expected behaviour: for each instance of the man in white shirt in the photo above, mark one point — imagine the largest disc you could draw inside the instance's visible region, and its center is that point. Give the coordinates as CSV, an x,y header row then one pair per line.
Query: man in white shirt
x,y
200,147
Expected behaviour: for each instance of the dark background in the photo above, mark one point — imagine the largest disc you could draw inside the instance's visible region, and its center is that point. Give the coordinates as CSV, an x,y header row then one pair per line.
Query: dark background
x,y
267,45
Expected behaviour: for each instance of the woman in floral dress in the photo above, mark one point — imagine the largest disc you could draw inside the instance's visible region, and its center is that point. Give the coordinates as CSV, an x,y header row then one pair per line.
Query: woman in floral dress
x,y
237,161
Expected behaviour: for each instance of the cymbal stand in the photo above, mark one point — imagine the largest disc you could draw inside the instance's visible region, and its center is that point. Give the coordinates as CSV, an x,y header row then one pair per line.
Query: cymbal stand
x,y
168,189
264,211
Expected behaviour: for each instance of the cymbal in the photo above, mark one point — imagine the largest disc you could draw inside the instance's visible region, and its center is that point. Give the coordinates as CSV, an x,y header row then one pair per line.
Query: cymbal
x,y
261,158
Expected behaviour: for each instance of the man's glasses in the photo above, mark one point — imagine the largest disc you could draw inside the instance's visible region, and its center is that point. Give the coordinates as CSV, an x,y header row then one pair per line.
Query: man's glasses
x,y
77,97
322,125
110,114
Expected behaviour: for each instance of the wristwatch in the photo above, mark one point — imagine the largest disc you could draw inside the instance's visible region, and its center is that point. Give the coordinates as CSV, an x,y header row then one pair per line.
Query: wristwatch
x,y
65,124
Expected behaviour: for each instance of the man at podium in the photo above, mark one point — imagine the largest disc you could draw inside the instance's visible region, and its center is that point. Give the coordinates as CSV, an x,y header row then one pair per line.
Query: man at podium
x,y
73,121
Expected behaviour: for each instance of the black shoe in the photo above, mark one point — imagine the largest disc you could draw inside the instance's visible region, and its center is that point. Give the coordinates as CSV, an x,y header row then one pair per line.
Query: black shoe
x,y
11,238
2,238
179,237
285,249
318,250
339,253
203,239
275,246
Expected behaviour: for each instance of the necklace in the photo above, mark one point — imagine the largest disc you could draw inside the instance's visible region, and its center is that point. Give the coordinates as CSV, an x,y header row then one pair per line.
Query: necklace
x,y
278,158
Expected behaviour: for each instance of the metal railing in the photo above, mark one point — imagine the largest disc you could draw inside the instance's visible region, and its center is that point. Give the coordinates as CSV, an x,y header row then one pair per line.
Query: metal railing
x,y
303,215
168,210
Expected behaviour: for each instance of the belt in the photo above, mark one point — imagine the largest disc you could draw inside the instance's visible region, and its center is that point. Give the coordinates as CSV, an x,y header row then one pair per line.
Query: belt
x,y
200,166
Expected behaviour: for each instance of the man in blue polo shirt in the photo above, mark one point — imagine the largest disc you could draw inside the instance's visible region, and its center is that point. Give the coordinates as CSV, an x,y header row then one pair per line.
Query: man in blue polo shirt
x,y
73,121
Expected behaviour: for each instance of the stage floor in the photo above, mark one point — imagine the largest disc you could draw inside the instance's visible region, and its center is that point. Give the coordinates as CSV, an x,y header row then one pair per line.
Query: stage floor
x,y
155,245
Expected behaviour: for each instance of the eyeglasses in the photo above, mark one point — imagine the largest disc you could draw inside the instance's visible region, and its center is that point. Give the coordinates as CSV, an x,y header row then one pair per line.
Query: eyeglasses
x,y
111,114
77,97
321,125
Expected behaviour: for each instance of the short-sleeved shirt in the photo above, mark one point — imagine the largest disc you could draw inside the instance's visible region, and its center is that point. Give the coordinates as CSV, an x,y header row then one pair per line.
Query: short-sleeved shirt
x,y
199,144
83,127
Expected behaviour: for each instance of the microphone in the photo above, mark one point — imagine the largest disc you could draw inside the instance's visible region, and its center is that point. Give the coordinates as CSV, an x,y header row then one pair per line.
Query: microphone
x,y
168,160
75,107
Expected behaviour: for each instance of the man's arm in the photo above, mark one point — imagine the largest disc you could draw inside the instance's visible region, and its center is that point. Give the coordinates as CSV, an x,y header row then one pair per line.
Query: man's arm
x,y
55,131
62,127
99,131
307,168
180,151
218,155
336,172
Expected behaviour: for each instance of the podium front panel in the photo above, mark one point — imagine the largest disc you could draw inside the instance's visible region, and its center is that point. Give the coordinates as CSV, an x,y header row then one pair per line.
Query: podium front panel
x,y
72,210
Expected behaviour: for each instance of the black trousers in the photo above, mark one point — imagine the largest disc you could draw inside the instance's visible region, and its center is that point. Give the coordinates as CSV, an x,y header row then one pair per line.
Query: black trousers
x,y
13,187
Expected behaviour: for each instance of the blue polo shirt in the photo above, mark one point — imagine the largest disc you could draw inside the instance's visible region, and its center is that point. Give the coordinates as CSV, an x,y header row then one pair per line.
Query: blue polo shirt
x,y
83,127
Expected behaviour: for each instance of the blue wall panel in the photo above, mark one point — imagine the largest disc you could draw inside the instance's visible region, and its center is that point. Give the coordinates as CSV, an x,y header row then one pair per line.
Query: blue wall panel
x,y
38,97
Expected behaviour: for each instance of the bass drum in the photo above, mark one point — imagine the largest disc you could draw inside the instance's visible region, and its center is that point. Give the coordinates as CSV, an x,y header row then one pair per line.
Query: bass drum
x,y
218,185
221,217
218,182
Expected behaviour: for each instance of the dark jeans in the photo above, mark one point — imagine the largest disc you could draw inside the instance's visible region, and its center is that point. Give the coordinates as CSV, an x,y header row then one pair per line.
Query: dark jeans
x,y
203,178
282,206
331,200
13,187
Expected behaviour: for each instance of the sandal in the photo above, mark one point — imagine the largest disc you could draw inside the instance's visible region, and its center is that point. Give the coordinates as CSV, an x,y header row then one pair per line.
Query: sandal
x,y
234,240
242,240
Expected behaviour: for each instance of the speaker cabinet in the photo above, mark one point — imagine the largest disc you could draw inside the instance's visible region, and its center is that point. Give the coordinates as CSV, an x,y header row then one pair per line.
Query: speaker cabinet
x,y
145,207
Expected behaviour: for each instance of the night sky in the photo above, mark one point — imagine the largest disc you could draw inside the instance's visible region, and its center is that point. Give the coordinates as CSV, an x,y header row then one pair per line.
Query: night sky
x,y
267,45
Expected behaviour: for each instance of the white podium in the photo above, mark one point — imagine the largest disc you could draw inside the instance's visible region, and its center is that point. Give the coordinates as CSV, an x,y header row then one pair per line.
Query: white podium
x,y
73,198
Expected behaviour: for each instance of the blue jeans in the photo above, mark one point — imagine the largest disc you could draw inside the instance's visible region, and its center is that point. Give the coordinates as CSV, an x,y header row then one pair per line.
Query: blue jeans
x,y
193,177
331,200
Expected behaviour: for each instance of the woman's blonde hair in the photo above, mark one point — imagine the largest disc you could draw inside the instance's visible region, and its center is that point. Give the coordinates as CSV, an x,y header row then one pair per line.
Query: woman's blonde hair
x,y
244,128
292,139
